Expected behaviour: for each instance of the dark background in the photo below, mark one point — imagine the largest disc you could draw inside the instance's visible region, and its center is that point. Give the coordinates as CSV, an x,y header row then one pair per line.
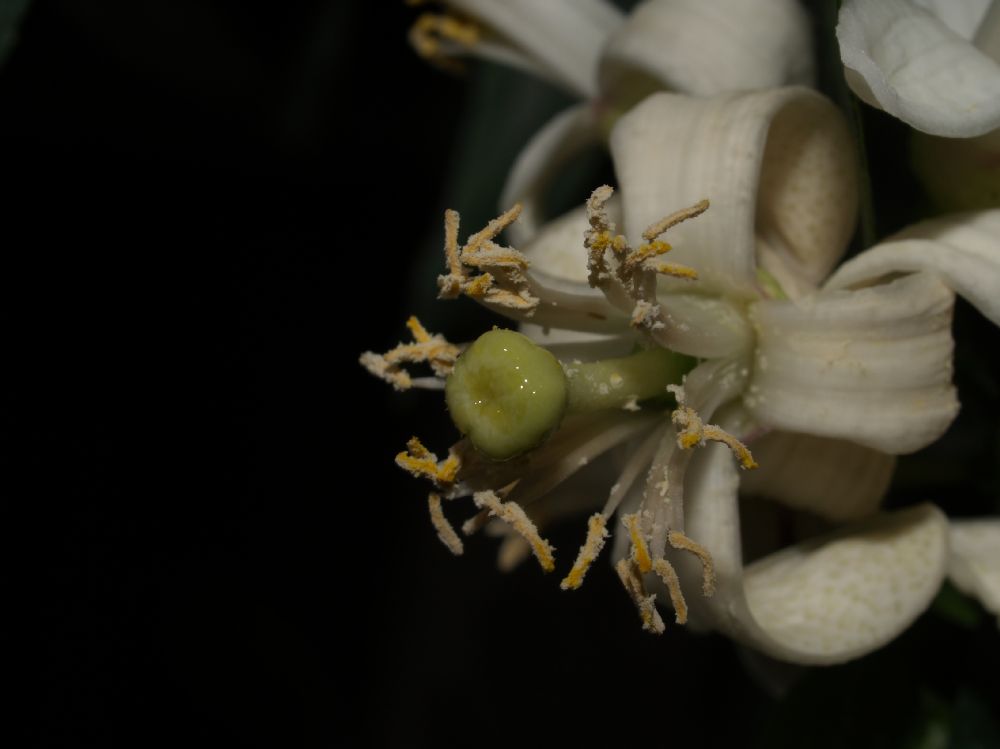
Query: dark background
x,y
212,208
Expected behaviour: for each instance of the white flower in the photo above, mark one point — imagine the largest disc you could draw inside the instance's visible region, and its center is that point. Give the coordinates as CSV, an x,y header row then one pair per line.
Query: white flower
x,y
824,382
931,63
613,61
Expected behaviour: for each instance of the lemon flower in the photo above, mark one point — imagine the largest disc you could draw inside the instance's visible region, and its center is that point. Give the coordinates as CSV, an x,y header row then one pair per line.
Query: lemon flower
x,y
611,61
822,380
931,63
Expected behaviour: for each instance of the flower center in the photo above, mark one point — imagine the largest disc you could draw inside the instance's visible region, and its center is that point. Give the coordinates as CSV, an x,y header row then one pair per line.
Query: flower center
x,y
507,394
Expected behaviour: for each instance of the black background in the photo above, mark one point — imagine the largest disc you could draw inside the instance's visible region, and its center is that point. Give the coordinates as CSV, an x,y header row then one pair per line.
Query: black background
x,y
212,208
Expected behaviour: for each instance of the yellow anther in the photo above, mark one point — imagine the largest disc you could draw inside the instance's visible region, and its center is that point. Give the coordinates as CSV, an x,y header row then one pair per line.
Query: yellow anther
x,y
679,541
444,530
677,271
646,604
430,31
492,229
484,270
601,241
640,552
479,286
655,230
422,463
637,266
511,513
432,349
419,332
597,534
645,252
742,452
693,431
668,575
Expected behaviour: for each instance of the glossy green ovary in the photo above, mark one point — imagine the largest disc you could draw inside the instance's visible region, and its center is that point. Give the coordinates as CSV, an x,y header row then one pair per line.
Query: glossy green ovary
x,y
506,394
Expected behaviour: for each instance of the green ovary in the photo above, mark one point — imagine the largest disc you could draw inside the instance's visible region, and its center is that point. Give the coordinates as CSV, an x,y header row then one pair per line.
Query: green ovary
x,y
507,394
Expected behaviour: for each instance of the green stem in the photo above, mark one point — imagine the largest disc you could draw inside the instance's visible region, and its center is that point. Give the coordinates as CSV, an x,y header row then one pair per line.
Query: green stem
x,y
611,383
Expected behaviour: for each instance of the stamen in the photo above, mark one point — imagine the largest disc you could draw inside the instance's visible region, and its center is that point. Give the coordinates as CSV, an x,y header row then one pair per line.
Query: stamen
x,y
512,513
597,535
444,530
433,349
501,278
693,431
600,237
628,574
430,30
679,541
422,463
668,575
632,284
655,230
640,552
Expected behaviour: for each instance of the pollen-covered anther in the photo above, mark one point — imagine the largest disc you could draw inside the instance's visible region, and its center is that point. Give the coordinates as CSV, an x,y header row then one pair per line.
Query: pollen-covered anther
x,y
422,463
668,575
634,272
600,236
692,431
653,231
435,350
432,33
597,535
681,542
640,551
628,573
482,269
444,530
512,513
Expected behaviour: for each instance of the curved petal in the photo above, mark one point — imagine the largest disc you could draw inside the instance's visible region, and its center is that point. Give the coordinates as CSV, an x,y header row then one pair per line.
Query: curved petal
x,y
961,16
562,138
561,38
975,560
964,249
768,162
833,478
902,59
705,49
824,601
872,366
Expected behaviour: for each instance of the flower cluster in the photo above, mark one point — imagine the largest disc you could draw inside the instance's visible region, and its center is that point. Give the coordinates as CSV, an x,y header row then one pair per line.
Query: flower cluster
x,y
664,382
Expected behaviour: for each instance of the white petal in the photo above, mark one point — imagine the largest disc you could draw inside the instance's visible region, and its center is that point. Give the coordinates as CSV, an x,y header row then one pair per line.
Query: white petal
x,y
672,151
821,602
975,559
961,16
705,49
872,366
902,59
964,249
832,478
843,595
562,138
563,37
